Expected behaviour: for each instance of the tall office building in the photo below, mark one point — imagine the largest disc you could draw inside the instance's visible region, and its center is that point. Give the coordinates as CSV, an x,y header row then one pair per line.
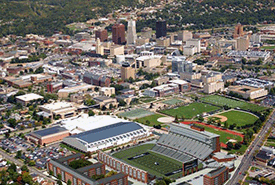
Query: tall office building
x,y
118,34
127,71
161,28
101,34
180,65
131,32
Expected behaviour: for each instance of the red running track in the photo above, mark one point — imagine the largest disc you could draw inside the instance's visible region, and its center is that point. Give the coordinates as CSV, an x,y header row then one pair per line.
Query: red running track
x,y
214,127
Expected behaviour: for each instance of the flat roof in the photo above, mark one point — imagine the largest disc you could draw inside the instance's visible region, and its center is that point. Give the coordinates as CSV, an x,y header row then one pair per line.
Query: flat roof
x,y
85,122
216,171
107,131
29,97
48,131
57,105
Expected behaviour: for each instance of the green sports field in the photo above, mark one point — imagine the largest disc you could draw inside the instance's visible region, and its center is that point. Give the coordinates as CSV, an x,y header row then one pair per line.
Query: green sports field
x,y
136,113
239,117
224,136
152,119
172,101
191,110
221,101
148,162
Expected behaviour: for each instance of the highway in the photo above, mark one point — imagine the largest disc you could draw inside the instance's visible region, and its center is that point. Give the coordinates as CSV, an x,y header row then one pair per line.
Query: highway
x,y
248,156
20,163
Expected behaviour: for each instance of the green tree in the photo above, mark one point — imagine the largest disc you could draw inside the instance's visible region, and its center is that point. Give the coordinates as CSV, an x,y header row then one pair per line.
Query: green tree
x,y
69,182
91,113
25,168
230,145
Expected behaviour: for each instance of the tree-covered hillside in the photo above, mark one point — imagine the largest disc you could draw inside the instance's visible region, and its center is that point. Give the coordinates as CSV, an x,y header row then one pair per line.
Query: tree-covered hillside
x,y
45,16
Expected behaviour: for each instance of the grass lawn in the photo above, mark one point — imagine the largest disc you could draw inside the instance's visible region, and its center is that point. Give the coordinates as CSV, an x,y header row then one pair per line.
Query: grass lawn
x,y
191,110
147,162
268,47
239,117
70,148
147,99
224,136
172,101
221,101
153,120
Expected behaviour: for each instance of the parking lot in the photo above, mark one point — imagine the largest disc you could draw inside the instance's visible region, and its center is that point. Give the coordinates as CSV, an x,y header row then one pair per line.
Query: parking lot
x,y
30,152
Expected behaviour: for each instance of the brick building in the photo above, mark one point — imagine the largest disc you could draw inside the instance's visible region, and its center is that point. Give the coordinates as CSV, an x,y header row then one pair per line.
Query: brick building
x,y
48,135
54,86
83,175
96,79
118,34
216,177
102,35
131,171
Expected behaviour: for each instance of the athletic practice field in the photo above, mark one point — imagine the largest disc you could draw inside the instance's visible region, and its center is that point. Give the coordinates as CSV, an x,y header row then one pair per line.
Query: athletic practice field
x,y
221,101
239,117
191,110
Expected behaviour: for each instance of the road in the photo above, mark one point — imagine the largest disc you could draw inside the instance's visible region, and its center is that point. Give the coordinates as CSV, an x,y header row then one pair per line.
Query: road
x,y
20,163
248,156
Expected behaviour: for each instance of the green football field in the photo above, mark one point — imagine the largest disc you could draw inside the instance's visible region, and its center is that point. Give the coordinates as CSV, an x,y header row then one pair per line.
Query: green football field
x,y
239,117
154,163
191,110
221,101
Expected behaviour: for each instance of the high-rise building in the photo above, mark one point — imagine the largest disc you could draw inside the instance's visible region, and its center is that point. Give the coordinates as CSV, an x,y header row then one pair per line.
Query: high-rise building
x,y
243,43
101,34
185,35
160,28
180,65
118,34
131,32
127,71
238,32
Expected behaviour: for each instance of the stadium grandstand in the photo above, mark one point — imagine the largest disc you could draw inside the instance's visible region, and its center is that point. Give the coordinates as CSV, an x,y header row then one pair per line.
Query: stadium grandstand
x,y
184,143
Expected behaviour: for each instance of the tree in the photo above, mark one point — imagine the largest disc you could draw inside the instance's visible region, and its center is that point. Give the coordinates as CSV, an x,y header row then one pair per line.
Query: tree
x,y
12,122
103,108
238,146
69,182
91,113
230,145
26,178
225,124
39,70
147,122
25,168
31,163
200,118
59,182
59,176
176,119
121,103
111,106
18,154
12,167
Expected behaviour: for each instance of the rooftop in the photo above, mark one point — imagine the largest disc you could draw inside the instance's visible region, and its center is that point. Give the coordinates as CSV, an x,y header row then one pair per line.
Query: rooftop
x,y
57,105
29,97
107,131
48,131
217,171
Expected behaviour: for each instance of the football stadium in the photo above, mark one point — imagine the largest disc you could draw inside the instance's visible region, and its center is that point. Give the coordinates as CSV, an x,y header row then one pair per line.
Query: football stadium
x,y
175,154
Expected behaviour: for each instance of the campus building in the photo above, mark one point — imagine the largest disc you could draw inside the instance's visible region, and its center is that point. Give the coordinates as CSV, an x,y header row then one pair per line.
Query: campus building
x,y
125,168
99,132
83,175
127,71
62,109
48,135
96,79
248,92
161,28
28,98
216,177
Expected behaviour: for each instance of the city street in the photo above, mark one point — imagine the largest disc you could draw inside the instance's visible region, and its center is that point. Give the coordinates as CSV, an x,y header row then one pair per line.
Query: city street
x,y
248,156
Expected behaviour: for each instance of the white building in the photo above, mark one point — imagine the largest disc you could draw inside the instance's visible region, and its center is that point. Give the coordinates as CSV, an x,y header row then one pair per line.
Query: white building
x,y
27,98
194,42
99,132
131,32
